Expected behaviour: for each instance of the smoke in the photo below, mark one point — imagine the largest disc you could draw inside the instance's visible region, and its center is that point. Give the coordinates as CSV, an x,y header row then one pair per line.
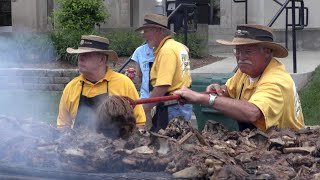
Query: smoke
x,y
19,48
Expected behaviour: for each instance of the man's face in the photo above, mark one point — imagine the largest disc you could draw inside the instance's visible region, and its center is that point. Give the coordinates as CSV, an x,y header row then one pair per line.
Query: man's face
x,y
89,62
251,59
149,35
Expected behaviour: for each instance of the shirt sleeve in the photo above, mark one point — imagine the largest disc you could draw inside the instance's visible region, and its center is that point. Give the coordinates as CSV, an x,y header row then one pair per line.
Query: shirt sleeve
x,y
167,67
64,119
269,99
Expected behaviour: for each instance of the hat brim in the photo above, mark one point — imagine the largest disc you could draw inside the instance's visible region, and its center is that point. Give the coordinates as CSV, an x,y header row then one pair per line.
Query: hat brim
x,y
278,50
154,26
112,55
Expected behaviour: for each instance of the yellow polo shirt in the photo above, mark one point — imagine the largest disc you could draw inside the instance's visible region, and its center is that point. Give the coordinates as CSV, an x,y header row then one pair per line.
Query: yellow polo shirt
x,y
118,84
171,65
274,93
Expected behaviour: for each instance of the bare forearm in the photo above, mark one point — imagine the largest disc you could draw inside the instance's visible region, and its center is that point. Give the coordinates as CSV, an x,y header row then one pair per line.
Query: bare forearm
x,y
236,109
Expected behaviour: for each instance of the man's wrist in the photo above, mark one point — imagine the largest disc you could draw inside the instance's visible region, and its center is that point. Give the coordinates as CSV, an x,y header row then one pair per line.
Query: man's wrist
x,y
212,98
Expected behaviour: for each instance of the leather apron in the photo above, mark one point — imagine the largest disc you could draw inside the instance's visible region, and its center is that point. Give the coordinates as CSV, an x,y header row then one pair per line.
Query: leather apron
x,y
86,115
161,118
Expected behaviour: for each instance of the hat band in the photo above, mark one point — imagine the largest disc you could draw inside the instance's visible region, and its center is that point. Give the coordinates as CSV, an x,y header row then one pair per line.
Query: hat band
x,y
148,22
259,38
252,33
93,44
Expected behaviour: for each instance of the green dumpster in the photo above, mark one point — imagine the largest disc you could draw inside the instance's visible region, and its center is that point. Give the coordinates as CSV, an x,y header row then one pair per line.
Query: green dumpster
x,y
204,113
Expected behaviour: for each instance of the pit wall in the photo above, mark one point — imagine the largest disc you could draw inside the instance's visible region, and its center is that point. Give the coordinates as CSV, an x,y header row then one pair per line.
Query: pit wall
x,y
36,79
57,79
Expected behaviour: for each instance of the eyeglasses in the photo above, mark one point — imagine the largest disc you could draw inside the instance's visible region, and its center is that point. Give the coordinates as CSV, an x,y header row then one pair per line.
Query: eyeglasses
x,y
244,52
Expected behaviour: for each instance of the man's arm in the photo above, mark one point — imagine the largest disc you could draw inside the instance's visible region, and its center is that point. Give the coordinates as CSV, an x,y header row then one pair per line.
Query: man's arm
x,y
64,119
240,110
138,73
138,70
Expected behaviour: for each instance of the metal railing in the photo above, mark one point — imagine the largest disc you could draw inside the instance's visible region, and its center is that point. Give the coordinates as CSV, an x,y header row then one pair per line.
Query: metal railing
x,y
185,7
294,26
246,8
303,21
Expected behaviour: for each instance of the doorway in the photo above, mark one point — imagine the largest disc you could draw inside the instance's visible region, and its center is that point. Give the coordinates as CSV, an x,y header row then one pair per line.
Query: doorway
x,y
5,13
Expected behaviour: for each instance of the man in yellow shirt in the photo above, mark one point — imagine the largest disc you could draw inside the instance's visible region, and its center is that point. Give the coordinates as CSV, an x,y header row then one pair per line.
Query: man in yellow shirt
x,y
169,72
261,94
83,94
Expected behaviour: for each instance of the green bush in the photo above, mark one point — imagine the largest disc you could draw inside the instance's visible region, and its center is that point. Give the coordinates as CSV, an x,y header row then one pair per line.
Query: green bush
x,y
67,38
124,42
72,19
79,14
195,44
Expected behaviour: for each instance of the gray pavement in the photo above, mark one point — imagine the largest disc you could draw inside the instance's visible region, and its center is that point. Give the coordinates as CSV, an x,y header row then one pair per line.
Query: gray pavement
x,y
307,61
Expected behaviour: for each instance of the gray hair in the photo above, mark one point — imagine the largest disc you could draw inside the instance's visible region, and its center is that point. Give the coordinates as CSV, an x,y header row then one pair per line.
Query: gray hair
x,y
166,32
262,48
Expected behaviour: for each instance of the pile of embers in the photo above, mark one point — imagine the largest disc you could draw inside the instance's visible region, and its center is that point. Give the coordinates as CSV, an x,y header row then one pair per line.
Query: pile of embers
x,y
179,150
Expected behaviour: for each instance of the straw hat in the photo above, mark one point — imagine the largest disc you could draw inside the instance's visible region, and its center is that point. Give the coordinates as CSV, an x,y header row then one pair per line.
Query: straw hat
x,y
256,34
155,20
92,43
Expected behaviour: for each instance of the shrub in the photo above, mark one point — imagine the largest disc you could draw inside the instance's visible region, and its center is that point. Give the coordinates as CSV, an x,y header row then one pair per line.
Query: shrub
x,y
124,42
79,14
67,38
72,19
195,44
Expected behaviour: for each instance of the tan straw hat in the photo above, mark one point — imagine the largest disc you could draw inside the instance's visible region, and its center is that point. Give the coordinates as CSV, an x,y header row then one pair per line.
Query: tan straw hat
x,y
154,20
93,43
256,34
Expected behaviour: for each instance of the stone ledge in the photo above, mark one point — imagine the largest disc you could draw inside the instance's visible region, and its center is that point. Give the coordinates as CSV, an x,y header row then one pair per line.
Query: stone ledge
x,y
36,79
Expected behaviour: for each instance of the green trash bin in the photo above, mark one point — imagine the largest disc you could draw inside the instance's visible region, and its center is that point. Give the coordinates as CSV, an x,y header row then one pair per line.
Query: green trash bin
x,y
204,113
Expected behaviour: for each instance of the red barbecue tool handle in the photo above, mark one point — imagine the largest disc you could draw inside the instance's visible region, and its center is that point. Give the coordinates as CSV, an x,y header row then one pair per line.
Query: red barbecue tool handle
x,y
164,98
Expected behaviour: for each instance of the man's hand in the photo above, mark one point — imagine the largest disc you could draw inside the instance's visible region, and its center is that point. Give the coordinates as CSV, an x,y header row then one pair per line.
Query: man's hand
x,y
221,90
187,95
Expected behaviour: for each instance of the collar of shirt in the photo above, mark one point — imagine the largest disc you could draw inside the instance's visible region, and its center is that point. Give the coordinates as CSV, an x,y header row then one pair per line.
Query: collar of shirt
x,y
107,77
162,43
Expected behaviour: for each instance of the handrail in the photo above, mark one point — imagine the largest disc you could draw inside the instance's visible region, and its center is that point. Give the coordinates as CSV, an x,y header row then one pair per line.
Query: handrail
x,y
301,25
283,6
294,26
179,6
246,8
278,2
184,6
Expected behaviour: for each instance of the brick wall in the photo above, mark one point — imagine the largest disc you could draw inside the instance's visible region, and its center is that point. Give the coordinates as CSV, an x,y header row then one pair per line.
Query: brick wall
x,y
36,79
